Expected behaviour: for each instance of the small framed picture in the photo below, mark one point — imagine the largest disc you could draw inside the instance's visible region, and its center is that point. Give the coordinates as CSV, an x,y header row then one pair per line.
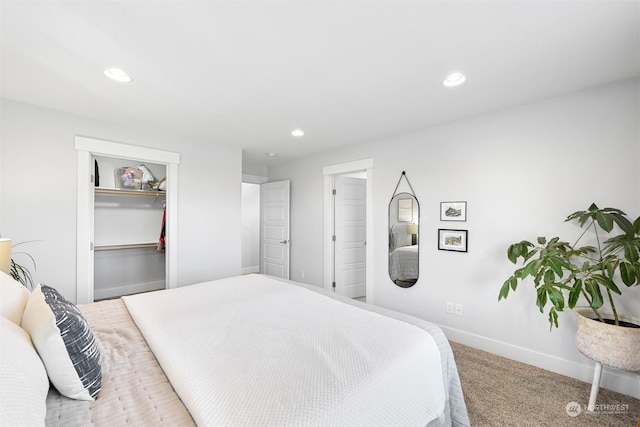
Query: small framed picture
x,y
453,240
405,210
128,178
453,211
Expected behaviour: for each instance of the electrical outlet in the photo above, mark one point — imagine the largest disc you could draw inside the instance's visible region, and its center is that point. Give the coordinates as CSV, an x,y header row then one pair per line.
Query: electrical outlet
x,y
302,274
459,310
449,307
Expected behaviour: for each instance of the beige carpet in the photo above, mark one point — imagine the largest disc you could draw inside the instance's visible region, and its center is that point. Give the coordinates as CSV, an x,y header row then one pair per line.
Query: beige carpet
x,y
502,392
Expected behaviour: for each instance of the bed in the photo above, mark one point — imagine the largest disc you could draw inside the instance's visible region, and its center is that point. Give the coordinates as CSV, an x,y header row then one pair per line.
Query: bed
x,y
403,263
255,350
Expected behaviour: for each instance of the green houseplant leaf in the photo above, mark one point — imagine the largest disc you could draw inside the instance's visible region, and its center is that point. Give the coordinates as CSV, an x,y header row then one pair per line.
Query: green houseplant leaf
x,y
21,273
562,273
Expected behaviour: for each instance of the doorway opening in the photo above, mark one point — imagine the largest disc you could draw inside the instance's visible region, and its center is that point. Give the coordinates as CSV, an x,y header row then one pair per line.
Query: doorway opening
x,y
348,225
87,149
265,226
251,223
250,228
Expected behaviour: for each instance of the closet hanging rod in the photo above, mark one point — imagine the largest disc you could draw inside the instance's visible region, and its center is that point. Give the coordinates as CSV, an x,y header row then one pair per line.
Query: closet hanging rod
x,y
99,190
125,246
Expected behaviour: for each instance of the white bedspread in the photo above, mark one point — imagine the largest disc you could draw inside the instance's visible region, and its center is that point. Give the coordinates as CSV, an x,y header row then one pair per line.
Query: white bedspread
x,y
252,351
403,263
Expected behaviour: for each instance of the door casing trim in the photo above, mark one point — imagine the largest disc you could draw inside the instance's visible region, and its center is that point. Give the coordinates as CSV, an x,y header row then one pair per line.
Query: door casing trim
x,y
86,148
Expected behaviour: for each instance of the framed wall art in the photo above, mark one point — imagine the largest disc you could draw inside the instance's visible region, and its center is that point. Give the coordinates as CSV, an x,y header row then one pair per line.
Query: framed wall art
x,y
453,240
405,210
128,178
453,211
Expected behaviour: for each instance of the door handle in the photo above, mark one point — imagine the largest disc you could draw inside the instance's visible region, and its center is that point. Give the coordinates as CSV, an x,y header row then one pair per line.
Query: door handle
x,y
285,242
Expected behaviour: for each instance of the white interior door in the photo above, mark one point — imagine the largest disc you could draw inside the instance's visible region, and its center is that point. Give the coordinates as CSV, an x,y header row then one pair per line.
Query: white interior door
x,y
350,236
274,235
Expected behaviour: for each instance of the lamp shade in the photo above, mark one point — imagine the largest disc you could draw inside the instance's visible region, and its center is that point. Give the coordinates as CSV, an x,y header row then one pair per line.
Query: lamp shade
x,y
5,255
412,228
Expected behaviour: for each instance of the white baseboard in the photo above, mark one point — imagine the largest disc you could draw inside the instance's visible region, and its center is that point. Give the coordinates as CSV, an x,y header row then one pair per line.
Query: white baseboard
x,y
612,379
249,270
136,288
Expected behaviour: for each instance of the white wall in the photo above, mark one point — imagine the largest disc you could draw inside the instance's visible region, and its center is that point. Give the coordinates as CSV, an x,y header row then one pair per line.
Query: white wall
x,y
521,171
38,172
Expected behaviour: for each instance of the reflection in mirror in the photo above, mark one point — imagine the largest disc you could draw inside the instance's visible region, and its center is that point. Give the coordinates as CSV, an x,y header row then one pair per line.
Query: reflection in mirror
x,y
404,217
405,210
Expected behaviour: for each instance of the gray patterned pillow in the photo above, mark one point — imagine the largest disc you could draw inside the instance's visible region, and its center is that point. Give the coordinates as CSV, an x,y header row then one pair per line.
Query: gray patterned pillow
x,y
65,343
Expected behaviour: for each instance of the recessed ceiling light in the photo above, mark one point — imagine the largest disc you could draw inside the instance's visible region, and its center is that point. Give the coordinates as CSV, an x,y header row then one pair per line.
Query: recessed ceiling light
x,y
454,79
297,132
272,154
117,75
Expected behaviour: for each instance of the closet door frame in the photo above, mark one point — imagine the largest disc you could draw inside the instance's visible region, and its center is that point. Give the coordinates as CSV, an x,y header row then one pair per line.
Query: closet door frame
x,y
87,148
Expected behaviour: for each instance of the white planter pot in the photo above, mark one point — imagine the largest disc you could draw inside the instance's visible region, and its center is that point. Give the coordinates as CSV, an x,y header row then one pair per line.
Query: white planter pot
x,y
614,346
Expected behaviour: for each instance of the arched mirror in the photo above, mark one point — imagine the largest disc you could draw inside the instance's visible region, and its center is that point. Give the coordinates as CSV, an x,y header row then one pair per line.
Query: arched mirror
x,y
404,227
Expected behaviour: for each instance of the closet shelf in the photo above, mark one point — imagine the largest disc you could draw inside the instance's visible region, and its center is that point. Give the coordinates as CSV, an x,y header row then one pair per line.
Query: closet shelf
x,y
118,191
125,246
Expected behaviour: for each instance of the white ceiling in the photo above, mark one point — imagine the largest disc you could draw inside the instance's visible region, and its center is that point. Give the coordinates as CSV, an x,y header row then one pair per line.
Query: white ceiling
x,y
248,73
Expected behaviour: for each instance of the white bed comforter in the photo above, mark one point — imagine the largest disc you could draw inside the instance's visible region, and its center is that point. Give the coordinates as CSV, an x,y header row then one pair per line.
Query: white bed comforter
x,y
252,350
403,263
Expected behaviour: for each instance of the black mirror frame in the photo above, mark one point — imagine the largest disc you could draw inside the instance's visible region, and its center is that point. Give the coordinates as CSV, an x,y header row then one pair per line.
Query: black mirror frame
x,y
407,254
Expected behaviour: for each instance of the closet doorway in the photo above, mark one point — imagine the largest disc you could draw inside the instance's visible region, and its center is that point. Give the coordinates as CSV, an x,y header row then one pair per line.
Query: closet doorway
x,y
128,256
348,262
88,149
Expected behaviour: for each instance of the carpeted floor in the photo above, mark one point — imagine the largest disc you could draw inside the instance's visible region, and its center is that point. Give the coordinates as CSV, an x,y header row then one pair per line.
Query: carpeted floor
x,y
502,392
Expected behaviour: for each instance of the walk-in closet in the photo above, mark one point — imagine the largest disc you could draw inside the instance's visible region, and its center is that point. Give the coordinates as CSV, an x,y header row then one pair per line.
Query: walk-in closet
x,y
129,215
127,200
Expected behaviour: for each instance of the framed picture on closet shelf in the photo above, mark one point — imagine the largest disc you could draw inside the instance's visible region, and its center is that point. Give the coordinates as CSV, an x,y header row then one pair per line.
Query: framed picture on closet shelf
x,y
128,178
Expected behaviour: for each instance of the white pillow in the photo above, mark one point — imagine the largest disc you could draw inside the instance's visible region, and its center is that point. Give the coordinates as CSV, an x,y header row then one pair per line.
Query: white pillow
x,y
23,379
65,343
13,298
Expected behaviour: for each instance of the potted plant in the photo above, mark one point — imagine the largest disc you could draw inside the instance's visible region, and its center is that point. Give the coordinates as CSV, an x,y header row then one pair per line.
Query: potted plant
x,y
562,273
20,272
392,239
